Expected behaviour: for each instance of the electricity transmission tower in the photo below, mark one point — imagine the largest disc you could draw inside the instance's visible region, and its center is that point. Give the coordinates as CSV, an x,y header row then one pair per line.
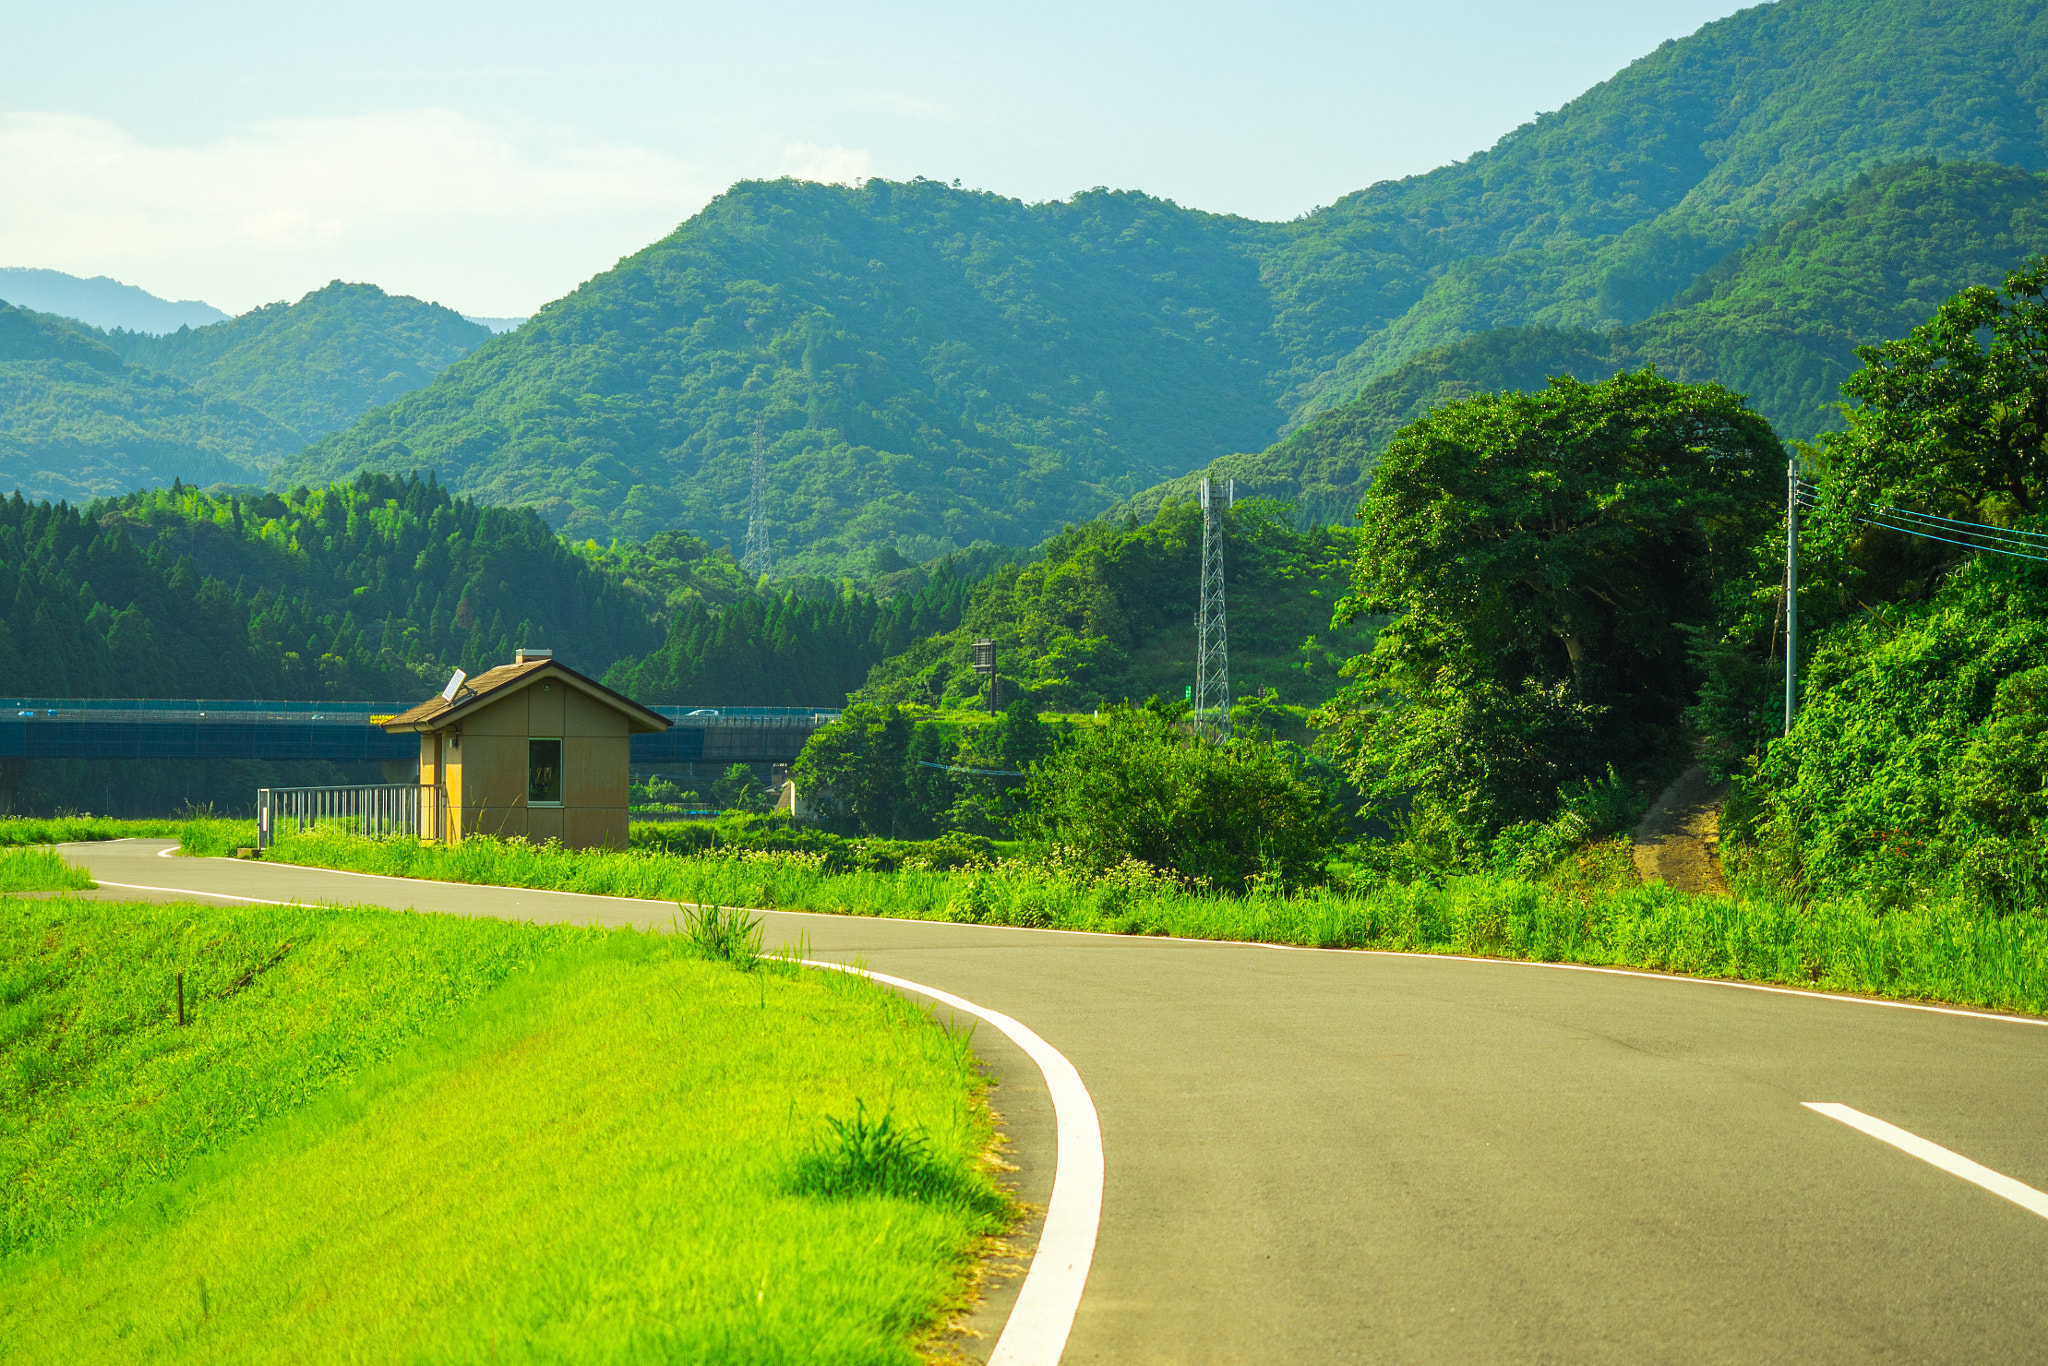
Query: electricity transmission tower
x,y
1212,647
757,557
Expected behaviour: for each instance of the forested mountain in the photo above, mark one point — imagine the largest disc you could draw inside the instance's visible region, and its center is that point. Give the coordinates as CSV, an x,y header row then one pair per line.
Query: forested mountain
x,y
1779,320
1108,612
217,404
76,422
372,589
927,365
316,365
101,302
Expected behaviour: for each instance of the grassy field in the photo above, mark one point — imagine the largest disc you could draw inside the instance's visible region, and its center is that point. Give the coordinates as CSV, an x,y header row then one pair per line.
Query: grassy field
x,y
1592,912
403,1136
26,868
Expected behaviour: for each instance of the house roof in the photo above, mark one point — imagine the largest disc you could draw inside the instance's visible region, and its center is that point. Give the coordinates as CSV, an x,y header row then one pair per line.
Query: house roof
x,y
495,684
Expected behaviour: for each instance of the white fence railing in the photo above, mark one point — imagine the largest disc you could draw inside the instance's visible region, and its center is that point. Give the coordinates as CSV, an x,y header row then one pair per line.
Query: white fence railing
x,y
376,809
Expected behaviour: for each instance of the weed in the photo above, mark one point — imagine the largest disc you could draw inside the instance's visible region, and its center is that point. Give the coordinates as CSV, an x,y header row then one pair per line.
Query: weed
x,y
724,934
867,1155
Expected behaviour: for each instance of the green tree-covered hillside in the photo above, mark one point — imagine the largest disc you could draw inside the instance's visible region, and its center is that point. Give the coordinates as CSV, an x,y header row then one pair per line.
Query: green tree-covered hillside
x,y
929,365
1779,320
77,423
1108,613
316,365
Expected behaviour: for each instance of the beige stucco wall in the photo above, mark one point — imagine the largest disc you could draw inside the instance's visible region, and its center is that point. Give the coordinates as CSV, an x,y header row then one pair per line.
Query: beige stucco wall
x,y
486,769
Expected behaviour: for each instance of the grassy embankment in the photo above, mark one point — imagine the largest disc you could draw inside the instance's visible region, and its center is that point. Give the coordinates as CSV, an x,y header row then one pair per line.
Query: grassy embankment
x,y
387,1135
1590,912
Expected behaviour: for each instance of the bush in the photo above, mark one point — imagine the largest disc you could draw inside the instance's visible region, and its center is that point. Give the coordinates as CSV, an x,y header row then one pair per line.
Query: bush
x,y
1139,787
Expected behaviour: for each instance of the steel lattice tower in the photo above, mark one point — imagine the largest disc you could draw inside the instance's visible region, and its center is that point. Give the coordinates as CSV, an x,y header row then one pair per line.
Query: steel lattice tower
x,y
1212,646
757,557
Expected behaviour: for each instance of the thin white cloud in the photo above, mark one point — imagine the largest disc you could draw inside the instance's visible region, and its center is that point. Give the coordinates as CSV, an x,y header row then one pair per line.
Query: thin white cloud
x,y
830,165
286,205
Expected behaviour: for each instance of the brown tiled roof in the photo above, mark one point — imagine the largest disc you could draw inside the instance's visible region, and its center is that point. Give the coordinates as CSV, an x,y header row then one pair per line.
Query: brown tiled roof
x,y
491,684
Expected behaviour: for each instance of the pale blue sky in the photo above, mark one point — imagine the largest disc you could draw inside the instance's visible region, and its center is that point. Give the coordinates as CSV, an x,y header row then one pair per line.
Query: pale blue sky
x,y
494,156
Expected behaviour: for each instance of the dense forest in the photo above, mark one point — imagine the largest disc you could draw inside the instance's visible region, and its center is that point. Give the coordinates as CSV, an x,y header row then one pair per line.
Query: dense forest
x,y
929,365
371,589
788,651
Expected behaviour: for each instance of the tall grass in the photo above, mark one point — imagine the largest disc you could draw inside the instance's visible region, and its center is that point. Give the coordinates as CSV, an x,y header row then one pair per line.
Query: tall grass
x,y
71,829
25,868
1944,951
591,1146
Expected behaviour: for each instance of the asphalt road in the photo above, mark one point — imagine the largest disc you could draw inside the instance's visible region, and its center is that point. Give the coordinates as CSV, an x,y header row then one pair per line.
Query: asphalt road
x,y
1371,1157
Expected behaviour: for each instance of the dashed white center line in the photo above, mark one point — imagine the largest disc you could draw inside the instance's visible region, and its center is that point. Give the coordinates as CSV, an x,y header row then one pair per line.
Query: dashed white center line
x,y
1999,1184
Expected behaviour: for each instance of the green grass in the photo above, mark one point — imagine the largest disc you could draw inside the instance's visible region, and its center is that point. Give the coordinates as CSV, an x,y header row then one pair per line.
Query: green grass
x,y
25,868
430,1138
1944,951
70,829
215,837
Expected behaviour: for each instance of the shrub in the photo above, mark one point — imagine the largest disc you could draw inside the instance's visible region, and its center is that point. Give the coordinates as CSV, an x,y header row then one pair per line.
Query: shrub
x,y
1139,787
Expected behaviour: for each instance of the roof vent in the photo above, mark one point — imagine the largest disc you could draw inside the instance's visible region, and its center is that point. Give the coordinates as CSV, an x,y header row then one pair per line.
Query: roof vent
x,y
524,655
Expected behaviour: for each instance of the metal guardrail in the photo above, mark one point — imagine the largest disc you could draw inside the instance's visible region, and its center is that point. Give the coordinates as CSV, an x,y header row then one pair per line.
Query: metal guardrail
x,y
375,809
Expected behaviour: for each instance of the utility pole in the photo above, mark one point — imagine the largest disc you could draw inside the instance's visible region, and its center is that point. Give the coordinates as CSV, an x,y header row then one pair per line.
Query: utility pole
x,y
1212,646
1791,592
757,557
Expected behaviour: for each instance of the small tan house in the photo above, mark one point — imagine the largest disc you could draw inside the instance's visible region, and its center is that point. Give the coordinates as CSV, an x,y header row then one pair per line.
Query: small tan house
x,y
530,750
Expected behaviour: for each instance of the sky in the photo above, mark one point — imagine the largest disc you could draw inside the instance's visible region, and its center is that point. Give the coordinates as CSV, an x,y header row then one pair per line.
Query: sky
x,y
493,157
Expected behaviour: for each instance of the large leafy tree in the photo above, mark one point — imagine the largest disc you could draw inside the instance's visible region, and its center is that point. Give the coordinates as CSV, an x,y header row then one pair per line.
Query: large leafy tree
x,y
1545,555
1953,416
853,770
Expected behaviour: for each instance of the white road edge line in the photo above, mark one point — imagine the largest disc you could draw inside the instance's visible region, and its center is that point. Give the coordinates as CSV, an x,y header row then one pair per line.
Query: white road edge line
x,y
1843,998
1955,1164
187,891
1036,1334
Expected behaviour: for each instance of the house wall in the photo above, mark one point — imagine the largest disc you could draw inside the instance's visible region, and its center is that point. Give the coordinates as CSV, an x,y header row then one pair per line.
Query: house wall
x,y
487,770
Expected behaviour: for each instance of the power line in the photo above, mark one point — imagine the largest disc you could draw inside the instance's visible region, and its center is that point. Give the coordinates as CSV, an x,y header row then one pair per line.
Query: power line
x,y
1954,531
985,772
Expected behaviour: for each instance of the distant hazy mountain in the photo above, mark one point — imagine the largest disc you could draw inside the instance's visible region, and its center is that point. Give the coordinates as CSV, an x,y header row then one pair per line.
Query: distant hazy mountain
x,y
77,423
319,364
495,324
102,302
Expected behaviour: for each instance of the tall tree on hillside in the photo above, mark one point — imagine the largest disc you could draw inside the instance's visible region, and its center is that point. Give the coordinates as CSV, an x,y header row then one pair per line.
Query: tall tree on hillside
x,y
1952,418
1545,555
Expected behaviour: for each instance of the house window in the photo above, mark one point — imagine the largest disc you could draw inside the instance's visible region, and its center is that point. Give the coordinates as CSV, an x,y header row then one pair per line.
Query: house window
x,y
543,772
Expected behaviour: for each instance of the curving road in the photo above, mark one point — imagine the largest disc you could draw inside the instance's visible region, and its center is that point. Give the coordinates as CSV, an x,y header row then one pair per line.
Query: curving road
x,y
1330,1156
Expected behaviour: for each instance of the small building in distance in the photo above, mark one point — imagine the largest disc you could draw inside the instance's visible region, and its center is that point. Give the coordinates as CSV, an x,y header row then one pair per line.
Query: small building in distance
x,y
529,750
